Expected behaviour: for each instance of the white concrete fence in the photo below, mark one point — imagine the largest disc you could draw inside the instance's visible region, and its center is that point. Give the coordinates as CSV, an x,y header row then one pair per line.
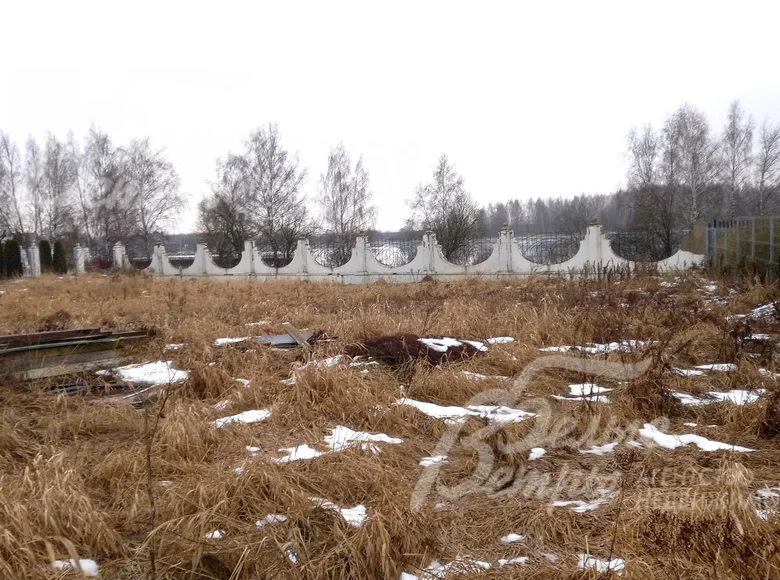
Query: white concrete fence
x,y
506,260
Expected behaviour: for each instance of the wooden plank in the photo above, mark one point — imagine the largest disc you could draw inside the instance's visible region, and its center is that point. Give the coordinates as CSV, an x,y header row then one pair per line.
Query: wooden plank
x,y
296,335
16,366
73,368
49,336
57,349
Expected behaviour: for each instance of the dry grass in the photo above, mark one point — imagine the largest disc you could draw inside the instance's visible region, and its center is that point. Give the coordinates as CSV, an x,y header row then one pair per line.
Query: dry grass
x,y
73,471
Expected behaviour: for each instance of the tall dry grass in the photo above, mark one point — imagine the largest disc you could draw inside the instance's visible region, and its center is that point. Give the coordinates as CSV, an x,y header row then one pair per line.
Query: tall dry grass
x,y
73,470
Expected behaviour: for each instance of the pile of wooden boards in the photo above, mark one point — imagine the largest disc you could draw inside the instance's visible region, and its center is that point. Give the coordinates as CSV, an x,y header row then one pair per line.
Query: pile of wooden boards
x,y
57,353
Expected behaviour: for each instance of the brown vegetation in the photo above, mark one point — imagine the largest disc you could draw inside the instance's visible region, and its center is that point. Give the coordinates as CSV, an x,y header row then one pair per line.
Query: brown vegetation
x,y
74,474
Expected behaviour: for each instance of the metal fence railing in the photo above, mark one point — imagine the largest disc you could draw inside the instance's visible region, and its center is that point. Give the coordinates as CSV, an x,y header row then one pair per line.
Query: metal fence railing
x,y
747,243
549,247
639,245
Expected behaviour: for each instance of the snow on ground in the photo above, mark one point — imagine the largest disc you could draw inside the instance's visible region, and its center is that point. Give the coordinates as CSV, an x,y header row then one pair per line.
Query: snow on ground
x,y
428,461
174,346
499,414
446,343
586,390
253,416
244,382
224,341
735,396
673,441
340,438
148,374
481,377
87,566
536,453
616,564
271,519
596,399
214,535
720,367
765,312
688,372
353,516
521,560
500,340
601,449
512,538
595,348
315,364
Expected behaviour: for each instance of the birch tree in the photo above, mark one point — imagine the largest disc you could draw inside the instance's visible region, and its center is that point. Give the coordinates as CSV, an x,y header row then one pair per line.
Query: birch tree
x,y
767,168
736,166
344,196
11,183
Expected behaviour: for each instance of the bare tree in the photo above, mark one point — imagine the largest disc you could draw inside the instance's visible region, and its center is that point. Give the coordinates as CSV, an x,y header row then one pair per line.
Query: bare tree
x,y
33,169
153,188
446,208
223,216
695,162
345,198
10,186
274,181
59,177
737,145
653,179
767,168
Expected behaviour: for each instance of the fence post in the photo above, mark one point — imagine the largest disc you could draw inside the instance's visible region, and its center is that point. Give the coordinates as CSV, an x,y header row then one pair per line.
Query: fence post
x,y
739,232
119,256
78,259
505,247
362,251
753,240
34,259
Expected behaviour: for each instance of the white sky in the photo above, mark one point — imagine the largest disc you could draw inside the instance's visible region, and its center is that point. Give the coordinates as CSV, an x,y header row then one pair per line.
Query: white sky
x,y
527,99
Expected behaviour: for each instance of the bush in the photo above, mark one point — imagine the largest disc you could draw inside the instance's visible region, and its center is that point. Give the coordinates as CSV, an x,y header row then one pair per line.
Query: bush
x,y
13,259
2,261
44,251
60,261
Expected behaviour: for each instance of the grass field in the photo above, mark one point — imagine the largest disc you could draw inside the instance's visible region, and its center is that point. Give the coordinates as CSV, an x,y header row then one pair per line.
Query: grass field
x,y
594,478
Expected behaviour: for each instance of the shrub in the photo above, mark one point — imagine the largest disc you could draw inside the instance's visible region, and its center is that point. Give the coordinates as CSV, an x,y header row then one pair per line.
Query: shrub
x,y
60,261
2,261
13,259
44,251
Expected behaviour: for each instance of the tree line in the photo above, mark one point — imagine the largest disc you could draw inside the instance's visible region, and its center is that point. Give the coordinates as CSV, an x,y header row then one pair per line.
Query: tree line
x,y
95,191
100,192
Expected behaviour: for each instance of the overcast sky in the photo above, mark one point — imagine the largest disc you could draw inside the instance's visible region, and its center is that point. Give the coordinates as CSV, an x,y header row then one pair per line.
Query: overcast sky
x,y
527,99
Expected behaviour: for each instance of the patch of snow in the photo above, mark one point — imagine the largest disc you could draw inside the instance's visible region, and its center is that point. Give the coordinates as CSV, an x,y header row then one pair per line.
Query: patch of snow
x,y
673,441
271,519
342,437
441,344
296,453
580,506
214,535
428,461
499,414
768,373
174,346
536,453
258,323
688,372
512,538
690,424
596,399
88,567
353,516
563,348
735,396
244,382
253,416
220,405
758,337
720,367
520,561
481,377
253,450
601,449
586,390
148,374
224,341
500,340
291,555
616,564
